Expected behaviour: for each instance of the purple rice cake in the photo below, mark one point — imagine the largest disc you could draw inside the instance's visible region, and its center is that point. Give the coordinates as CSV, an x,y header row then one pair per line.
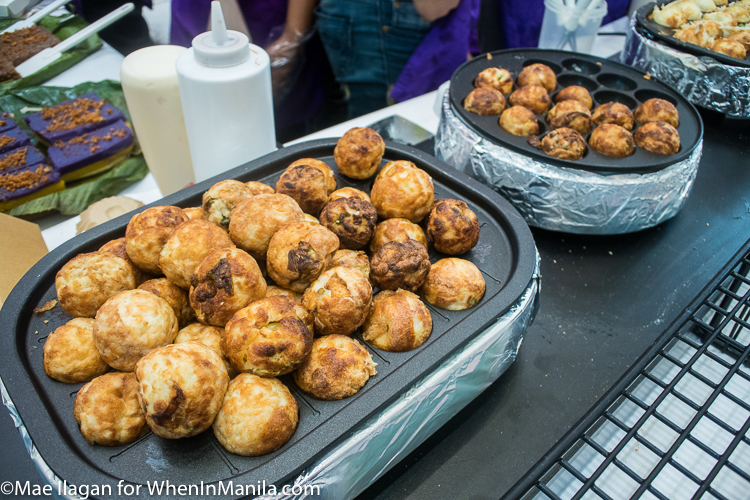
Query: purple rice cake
x,y
27,183
18,46
6,122
12,139
20,157
93,152
72,118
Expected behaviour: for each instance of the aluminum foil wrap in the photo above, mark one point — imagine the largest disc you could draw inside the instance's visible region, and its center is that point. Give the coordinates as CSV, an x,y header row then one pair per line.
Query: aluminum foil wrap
x,y
703,80
564,199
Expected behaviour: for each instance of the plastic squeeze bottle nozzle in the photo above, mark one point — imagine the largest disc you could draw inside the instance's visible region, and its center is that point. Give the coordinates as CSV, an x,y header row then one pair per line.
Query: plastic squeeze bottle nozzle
x,y
225,89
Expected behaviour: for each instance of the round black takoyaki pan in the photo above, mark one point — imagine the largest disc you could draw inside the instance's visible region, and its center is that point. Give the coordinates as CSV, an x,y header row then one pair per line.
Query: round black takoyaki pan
x,y
605,80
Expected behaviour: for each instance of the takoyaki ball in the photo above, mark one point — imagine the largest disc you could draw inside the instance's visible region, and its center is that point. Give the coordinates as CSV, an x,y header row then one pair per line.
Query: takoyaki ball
x,y
570,114
396,229
257,188
538,74
181,388
339,301
210,336
176,297
495,78
657,110
742,37
533,97
88,280
359,152
108,411
575,93
612,140
658,137
729,48
189,244
117,247
220,200
310,218
223,283
148,231
273,291
351,219
323,167
337,368
519,121
299,253
349,192
403,190
453,284
130,325
258,416
70,354
452,227
270,337
564,143
397,322
400,265
740,11
615,113
307,183
257,219
352,258
193,213
485,102
702,32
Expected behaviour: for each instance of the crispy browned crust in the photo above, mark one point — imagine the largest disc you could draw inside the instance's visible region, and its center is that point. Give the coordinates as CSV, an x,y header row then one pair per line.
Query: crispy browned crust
x,y
731,48
657,110
485,101
658,137
306,184
337,368
742,37
148,231
220,200
533,97
495,78
194,213
211,337
571,114
273,291
400,265
359,152
538,74
349,192
256,220
398,321
339,301
452,227
616,113
702,32
257,188
520,121
176,297
70,354
612,140
223,283
351,219
117,247
454,284
352,258
324,169
564,143
575,93
403,190
396,229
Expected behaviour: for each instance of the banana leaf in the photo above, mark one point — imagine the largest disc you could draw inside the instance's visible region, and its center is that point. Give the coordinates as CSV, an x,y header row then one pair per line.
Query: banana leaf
x,y
62,27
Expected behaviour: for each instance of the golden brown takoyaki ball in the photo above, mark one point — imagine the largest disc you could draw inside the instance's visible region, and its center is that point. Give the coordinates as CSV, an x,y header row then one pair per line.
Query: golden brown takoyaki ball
x,y
485,102
257,219
211,337
452,227
564,143
220,200
454,284
534,97
223,283
742,37
538,74
352,258
307,184
658,137
612,140
337,368
571,114
181,388
730,48
519,121
130,325
575,93
258,416
495,78
740,11
273,291
193,212
88,280
117,247
702,32
657,110
403,190
397,322
349,192
70,354
108,411
339,301
148,231
400,265
270,337
257,188
397,229
359,152
323,167
616,113
351,219
188,244
299,253
176,297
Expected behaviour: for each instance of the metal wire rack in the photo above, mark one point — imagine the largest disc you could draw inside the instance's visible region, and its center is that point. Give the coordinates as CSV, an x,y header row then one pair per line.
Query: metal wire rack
x,y
677,424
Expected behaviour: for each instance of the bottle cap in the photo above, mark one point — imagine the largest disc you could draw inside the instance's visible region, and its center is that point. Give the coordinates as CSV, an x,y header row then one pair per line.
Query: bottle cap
x,y
220,47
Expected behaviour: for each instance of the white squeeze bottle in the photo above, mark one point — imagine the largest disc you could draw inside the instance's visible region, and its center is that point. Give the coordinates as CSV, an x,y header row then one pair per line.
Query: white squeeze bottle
x,y
225,89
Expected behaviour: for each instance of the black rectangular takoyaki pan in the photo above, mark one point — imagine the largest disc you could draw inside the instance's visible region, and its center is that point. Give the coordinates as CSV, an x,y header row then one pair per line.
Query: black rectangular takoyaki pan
x,y
505,254
605,80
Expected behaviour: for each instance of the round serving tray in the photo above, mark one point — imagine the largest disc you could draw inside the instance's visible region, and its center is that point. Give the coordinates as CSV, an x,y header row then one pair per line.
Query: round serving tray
x,y
606,81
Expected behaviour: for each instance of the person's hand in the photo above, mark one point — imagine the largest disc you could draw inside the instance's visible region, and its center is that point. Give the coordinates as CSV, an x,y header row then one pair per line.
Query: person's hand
x,y
285,56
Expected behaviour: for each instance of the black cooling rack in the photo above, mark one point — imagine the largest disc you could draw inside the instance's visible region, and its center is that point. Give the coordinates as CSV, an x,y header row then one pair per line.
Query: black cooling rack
x,y
677,424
